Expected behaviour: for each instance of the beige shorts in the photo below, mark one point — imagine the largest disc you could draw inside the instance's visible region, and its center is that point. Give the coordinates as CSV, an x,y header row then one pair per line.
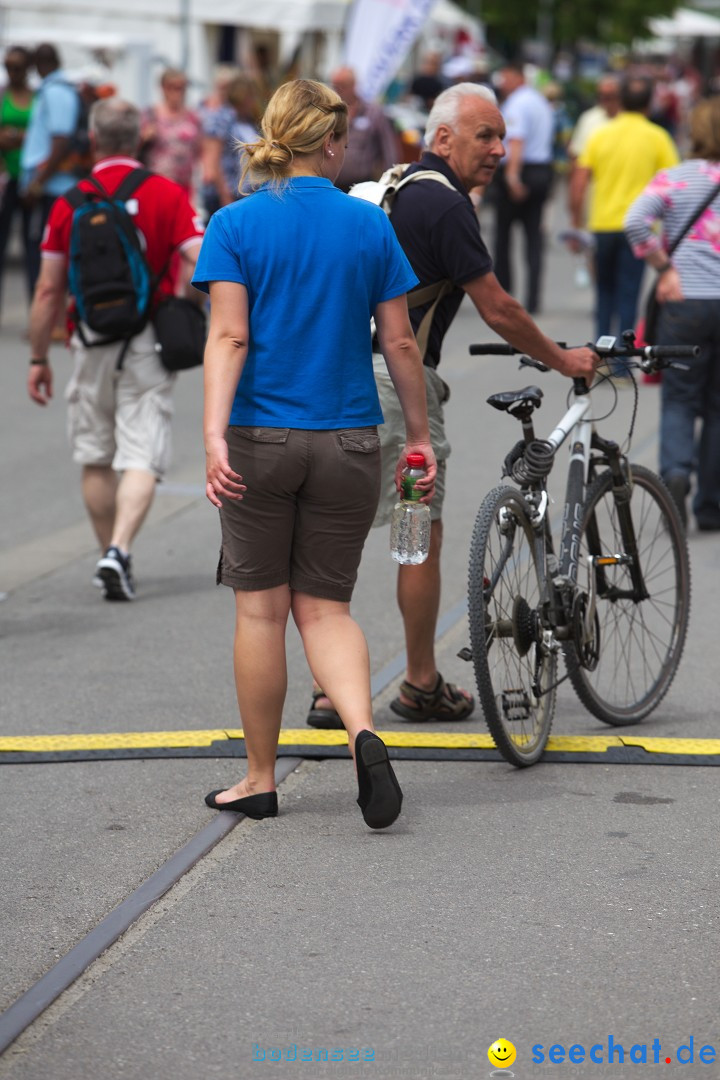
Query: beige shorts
x,y
120,418
392,438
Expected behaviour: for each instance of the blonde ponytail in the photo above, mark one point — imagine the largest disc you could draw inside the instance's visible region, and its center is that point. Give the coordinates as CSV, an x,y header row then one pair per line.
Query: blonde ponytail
x,y
300,116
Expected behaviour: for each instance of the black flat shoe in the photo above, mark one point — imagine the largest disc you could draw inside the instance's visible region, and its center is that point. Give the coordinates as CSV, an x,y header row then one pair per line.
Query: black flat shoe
x,y
252,806
379,794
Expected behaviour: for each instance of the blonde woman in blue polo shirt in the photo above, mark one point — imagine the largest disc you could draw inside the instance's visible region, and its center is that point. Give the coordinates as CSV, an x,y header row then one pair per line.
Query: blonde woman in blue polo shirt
x,y
295,271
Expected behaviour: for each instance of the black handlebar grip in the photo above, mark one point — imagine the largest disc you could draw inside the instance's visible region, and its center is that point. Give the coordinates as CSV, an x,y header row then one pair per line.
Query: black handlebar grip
x,y
492,349
670,352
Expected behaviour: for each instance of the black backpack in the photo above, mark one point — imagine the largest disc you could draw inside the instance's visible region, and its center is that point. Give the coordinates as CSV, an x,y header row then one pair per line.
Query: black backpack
x,y
108,274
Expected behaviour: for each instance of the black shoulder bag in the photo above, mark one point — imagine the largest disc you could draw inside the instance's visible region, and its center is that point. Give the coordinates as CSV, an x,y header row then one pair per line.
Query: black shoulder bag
x,y
180,330
180,327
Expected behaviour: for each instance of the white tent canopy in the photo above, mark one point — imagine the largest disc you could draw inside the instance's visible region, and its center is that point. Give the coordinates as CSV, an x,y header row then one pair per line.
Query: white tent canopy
x,y
686,23
135,40
285,15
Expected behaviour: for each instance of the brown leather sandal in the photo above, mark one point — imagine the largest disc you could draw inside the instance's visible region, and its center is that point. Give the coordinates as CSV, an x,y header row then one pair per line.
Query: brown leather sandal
x,y
445,702
327,719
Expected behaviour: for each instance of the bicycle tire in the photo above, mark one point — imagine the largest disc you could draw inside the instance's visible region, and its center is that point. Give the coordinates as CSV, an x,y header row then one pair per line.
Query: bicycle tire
x,y
504,622
641,643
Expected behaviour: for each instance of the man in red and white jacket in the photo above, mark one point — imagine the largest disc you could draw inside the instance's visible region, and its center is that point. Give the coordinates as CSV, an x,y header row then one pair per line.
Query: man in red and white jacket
x,y
119,420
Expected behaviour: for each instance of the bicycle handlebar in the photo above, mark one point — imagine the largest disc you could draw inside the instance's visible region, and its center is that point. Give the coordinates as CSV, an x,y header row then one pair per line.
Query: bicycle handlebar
x,y
493,349
663,352
651,357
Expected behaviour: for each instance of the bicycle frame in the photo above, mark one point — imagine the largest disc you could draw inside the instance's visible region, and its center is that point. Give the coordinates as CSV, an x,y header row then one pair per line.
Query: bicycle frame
x,y
578,427
574,424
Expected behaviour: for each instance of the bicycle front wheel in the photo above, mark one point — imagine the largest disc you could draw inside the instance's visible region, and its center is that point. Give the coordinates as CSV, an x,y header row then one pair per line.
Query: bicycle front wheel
x,y
640,641
514,668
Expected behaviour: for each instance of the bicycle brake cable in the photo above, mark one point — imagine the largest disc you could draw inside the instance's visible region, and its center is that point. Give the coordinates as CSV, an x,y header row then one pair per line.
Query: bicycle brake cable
x,y
631,429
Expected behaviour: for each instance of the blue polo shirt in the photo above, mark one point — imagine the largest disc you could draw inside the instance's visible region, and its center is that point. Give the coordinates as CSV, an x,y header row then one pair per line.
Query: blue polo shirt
x,y
55,111
315,263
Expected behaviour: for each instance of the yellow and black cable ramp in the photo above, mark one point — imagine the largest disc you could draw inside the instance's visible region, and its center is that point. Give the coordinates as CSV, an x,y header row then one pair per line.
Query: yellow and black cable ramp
x,y
306,743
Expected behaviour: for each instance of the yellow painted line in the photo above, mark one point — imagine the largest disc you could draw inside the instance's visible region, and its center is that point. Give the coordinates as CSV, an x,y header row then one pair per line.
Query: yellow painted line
x,y
467,740
586,744
304,737
447,740
130,740
674,746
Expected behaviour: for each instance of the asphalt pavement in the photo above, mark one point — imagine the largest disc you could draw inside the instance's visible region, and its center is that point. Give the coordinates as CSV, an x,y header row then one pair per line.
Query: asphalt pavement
x,y
566,905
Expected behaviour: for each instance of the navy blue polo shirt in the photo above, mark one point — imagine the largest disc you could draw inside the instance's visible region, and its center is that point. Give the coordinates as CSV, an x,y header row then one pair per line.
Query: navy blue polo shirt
x,y
439,232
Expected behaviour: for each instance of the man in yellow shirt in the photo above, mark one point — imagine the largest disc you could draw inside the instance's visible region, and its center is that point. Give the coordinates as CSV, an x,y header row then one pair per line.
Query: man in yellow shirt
x,y
621,158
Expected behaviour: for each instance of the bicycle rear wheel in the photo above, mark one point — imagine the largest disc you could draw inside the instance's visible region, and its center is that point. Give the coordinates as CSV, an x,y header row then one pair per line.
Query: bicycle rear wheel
x,y
514,671
640,642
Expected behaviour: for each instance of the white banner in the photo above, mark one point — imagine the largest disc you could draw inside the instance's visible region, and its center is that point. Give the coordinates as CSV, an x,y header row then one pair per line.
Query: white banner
x,y
379,36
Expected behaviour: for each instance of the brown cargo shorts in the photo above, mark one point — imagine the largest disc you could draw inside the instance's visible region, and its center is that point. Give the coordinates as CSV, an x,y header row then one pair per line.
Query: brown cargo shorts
x,y
310,502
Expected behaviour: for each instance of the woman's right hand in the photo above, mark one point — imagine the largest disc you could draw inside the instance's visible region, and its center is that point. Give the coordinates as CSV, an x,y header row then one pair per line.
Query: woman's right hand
x,y
221,480
426,484
669,287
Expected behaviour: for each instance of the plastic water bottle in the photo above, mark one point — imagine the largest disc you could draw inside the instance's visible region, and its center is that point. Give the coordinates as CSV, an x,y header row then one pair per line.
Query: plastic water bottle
x,y
410,529
582,274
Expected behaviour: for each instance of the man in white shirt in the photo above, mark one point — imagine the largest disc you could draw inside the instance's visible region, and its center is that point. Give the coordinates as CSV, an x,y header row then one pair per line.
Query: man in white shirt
x,y
524,181
608,106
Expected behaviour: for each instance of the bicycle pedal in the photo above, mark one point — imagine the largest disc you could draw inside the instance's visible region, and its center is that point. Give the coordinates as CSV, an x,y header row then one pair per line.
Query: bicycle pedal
x,y
516,705
465,654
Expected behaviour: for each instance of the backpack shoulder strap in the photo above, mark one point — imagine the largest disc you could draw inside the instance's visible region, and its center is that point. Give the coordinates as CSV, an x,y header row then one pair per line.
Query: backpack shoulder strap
x,y
426,174
131,183
393,176
123,191
76,197
394,180
439,289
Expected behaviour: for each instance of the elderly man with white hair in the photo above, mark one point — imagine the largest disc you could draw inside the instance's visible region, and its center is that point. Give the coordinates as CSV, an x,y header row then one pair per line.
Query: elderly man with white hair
x,y
437,228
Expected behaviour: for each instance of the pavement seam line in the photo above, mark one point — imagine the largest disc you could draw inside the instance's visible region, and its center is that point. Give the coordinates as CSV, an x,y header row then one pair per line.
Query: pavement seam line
x,y
46,990
18,565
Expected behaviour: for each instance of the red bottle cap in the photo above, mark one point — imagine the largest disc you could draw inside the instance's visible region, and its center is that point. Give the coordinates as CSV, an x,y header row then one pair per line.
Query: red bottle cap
x,y
416,461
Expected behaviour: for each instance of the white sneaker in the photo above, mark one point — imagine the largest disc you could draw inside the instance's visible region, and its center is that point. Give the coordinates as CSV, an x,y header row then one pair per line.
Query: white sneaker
x,y
115,574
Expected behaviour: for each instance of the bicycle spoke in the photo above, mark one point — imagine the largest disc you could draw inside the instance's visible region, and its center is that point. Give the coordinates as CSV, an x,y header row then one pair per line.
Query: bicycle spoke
x,y
640,642
504,627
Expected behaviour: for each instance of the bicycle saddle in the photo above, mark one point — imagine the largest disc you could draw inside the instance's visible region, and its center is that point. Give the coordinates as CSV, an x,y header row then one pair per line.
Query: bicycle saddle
x,y
531,395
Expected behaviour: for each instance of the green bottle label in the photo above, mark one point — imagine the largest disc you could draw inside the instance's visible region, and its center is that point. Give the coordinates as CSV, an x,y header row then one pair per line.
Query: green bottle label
x,y
410,492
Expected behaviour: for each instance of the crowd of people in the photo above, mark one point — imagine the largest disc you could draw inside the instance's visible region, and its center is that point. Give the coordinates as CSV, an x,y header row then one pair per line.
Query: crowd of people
x,y
284,430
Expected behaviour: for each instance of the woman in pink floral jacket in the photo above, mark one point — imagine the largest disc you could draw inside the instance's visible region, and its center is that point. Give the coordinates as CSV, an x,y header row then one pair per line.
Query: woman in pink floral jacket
x,y
171,133
689,293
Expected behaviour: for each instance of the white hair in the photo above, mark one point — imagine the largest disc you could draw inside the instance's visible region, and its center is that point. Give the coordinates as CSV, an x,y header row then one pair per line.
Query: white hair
x,y
447,106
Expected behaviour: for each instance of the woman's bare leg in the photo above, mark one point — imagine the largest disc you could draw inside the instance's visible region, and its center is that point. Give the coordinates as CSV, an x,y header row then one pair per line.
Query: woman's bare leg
x,y
337,654
261,683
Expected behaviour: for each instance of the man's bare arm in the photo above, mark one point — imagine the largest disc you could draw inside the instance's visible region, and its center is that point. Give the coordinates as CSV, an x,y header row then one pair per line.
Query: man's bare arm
x,y
46,306
508,318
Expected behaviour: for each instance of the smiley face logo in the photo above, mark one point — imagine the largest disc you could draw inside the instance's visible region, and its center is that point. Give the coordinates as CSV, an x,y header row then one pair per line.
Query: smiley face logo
x,y
502,1053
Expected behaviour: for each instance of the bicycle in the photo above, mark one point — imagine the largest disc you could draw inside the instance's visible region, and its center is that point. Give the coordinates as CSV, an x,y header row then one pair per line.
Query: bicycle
x,y
622,629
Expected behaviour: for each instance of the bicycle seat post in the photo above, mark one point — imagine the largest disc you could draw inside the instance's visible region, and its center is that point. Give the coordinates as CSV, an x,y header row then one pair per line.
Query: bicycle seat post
x,y
528,428
523,411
